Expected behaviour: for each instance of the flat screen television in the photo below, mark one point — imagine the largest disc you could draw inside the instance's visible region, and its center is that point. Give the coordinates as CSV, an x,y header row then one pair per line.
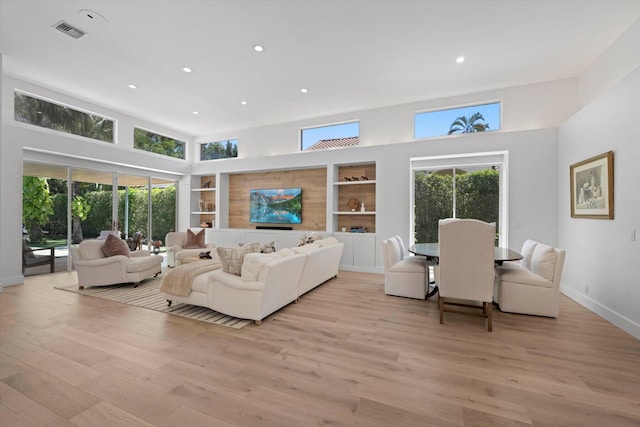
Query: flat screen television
x,y
276,206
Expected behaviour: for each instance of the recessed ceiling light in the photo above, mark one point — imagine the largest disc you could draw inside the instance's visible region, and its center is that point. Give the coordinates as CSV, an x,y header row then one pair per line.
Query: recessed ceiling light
x,y
187,69
243,102
304,90
132,86
460,59
258,48
195,113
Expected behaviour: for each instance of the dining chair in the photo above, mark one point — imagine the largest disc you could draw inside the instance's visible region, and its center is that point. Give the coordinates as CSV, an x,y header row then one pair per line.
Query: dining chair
x,y
465,270
404,275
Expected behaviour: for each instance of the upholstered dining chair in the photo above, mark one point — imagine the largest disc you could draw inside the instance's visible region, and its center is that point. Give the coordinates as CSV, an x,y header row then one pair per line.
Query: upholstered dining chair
x,y
465,270
404,275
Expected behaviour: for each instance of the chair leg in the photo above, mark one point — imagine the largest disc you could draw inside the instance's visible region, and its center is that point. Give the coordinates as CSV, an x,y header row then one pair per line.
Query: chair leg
x,y
169,302
258,322
135,284
441,307
489,310
81,287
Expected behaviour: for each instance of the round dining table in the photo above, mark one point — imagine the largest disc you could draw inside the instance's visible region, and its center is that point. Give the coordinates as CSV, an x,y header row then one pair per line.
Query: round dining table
x,y
431,251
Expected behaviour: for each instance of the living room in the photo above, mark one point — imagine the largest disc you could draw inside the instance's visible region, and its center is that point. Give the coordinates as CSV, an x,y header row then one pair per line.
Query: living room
x,y
546,127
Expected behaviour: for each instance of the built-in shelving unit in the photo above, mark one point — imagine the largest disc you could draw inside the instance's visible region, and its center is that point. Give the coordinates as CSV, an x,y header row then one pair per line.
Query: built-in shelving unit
x,y
355,186
203,201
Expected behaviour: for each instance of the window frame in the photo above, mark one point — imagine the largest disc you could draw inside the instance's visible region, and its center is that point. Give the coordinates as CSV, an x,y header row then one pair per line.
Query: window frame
x,y
161,135
224,140
459,161
114,139
457,107
346,122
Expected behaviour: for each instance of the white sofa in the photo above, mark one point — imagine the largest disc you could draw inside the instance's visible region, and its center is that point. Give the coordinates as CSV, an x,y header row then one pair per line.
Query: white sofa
x,y
175,242
94,268
267,282
322,260
532,285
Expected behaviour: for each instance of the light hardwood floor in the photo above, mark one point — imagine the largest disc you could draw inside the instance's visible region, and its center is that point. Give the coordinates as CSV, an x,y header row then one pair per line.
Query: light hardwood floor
x,y
346,354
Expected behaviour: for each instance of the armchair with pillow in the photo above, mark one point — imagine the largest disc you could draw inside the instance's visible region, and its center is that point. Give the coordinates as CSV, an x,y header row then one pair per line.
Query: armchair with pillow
x,y
109,262
181,245
531,285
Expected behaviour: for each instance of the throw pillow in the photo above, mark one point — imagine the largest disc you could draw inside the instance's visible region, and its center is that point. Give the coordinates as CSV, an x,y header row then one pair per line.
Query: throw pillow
x,y
543,262
115,246
232,258
194,241
253,263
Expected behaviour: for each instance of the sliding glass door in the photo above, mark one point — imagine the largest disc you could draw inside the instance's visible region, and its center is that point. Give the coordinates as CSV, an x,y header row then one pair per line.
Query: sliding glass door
x,y
458,188
87,204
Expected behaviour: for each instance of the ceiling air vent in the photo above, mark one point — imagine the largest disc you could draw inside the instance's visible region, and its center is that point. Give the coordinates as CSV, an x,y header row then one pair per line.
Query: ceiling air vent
x,y
69,30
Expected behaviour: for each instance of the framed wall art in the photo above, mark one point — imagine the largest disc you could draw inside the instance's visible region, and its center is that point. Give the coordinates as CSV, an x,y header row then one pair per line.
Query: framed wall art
x,y
592,187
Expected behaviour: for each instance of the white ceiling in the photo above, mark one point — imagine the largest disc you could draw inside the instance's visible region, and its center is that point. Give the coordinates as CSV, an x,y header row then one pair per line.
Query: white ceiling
x,y
350,54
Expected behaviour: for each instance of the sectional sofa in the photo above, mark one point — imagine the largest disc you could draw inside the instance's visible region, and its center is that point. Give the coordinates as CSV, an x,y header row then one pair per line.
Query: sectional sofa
x,y
267,282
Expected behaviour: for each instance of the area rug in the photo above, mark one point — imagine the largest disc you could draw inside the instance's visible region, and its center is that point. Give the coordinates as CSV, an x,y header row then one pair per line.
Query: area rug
x,y
148,295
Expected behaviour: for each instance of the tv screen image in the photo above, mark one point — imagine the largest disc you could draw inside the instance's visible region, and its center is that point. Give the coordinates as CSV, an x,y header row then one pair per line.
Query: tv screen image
x,y
276,206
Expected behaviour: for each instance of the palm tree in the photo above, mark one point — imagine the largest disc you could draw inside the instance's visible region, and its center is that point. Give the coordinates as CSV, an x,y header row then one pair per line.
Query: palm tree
x,y
470,124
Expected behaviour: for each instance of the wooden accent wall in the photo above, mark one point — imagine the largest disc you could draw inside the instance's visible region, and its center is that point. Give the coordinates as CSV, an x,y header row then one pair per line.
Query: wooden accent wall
x,y
314,195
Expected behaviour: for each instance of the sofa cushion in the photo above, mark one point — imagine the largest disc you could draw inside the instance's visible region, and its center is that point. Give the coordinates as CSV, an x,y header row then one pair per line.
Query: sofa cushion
x,y
543,261
327,241
193,240
253,263
232,258
527,252
306,249
91,249
138,264
115,246
516,273
285,252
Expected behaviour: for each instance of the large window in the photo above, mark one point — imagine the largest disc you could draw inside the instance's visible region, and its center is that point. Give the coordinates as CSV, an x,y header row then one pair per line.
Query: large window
x,y
475,118
159,144
219,149
330,136
46,114
469,187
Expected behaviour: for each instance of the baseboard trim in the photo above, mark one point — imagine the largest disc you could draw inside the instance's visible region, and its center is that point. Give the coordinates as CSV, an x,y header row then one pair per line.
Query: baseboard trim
x,y
378,270
11,281
622,322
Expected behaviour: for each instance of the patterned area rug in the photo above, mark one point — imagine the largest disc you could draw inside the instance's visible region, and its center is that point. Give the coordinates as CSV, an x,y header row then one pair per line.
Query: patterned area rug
x,y
148,295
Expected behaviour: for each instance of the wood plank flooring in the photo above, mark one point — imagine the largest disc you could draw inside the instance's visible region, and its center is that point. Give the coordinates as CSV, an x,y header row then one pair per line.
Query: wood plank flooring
x,y
345,355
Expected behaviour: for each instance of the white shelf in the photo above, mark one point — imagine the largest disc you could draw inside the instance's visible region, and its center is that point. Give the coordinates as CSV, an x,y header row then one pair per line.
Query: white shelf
x,y
355,213
203,189
371,181
203,213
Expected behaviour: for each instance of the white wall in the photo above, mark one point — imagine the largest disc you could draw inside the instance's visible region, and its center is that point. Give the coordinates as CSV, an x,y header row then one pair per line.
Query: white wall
x,y
600,253
538,106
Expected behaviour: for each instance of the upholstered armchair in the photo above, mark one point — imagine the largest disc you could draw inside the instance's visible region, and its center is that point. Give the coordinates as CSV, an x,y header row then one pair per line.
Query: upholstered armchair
x,y
532,285
94,268
179,246
465,266
404,275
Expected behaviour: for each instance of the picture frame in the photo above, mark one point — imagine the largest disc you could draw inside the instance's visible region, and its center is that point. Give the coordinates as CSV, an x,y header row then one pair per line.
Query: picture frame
x,y
592,187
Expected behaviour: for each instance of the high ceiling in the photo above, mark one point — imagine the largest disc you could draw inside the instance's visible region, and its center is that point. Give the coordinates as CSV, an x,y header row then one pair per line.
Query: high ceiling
x,y
349,54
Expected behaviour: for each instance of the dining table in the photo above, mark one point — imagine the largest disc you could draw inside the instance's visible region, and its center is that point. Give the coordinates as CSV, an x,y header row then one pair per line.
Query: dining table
x,y
431,251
